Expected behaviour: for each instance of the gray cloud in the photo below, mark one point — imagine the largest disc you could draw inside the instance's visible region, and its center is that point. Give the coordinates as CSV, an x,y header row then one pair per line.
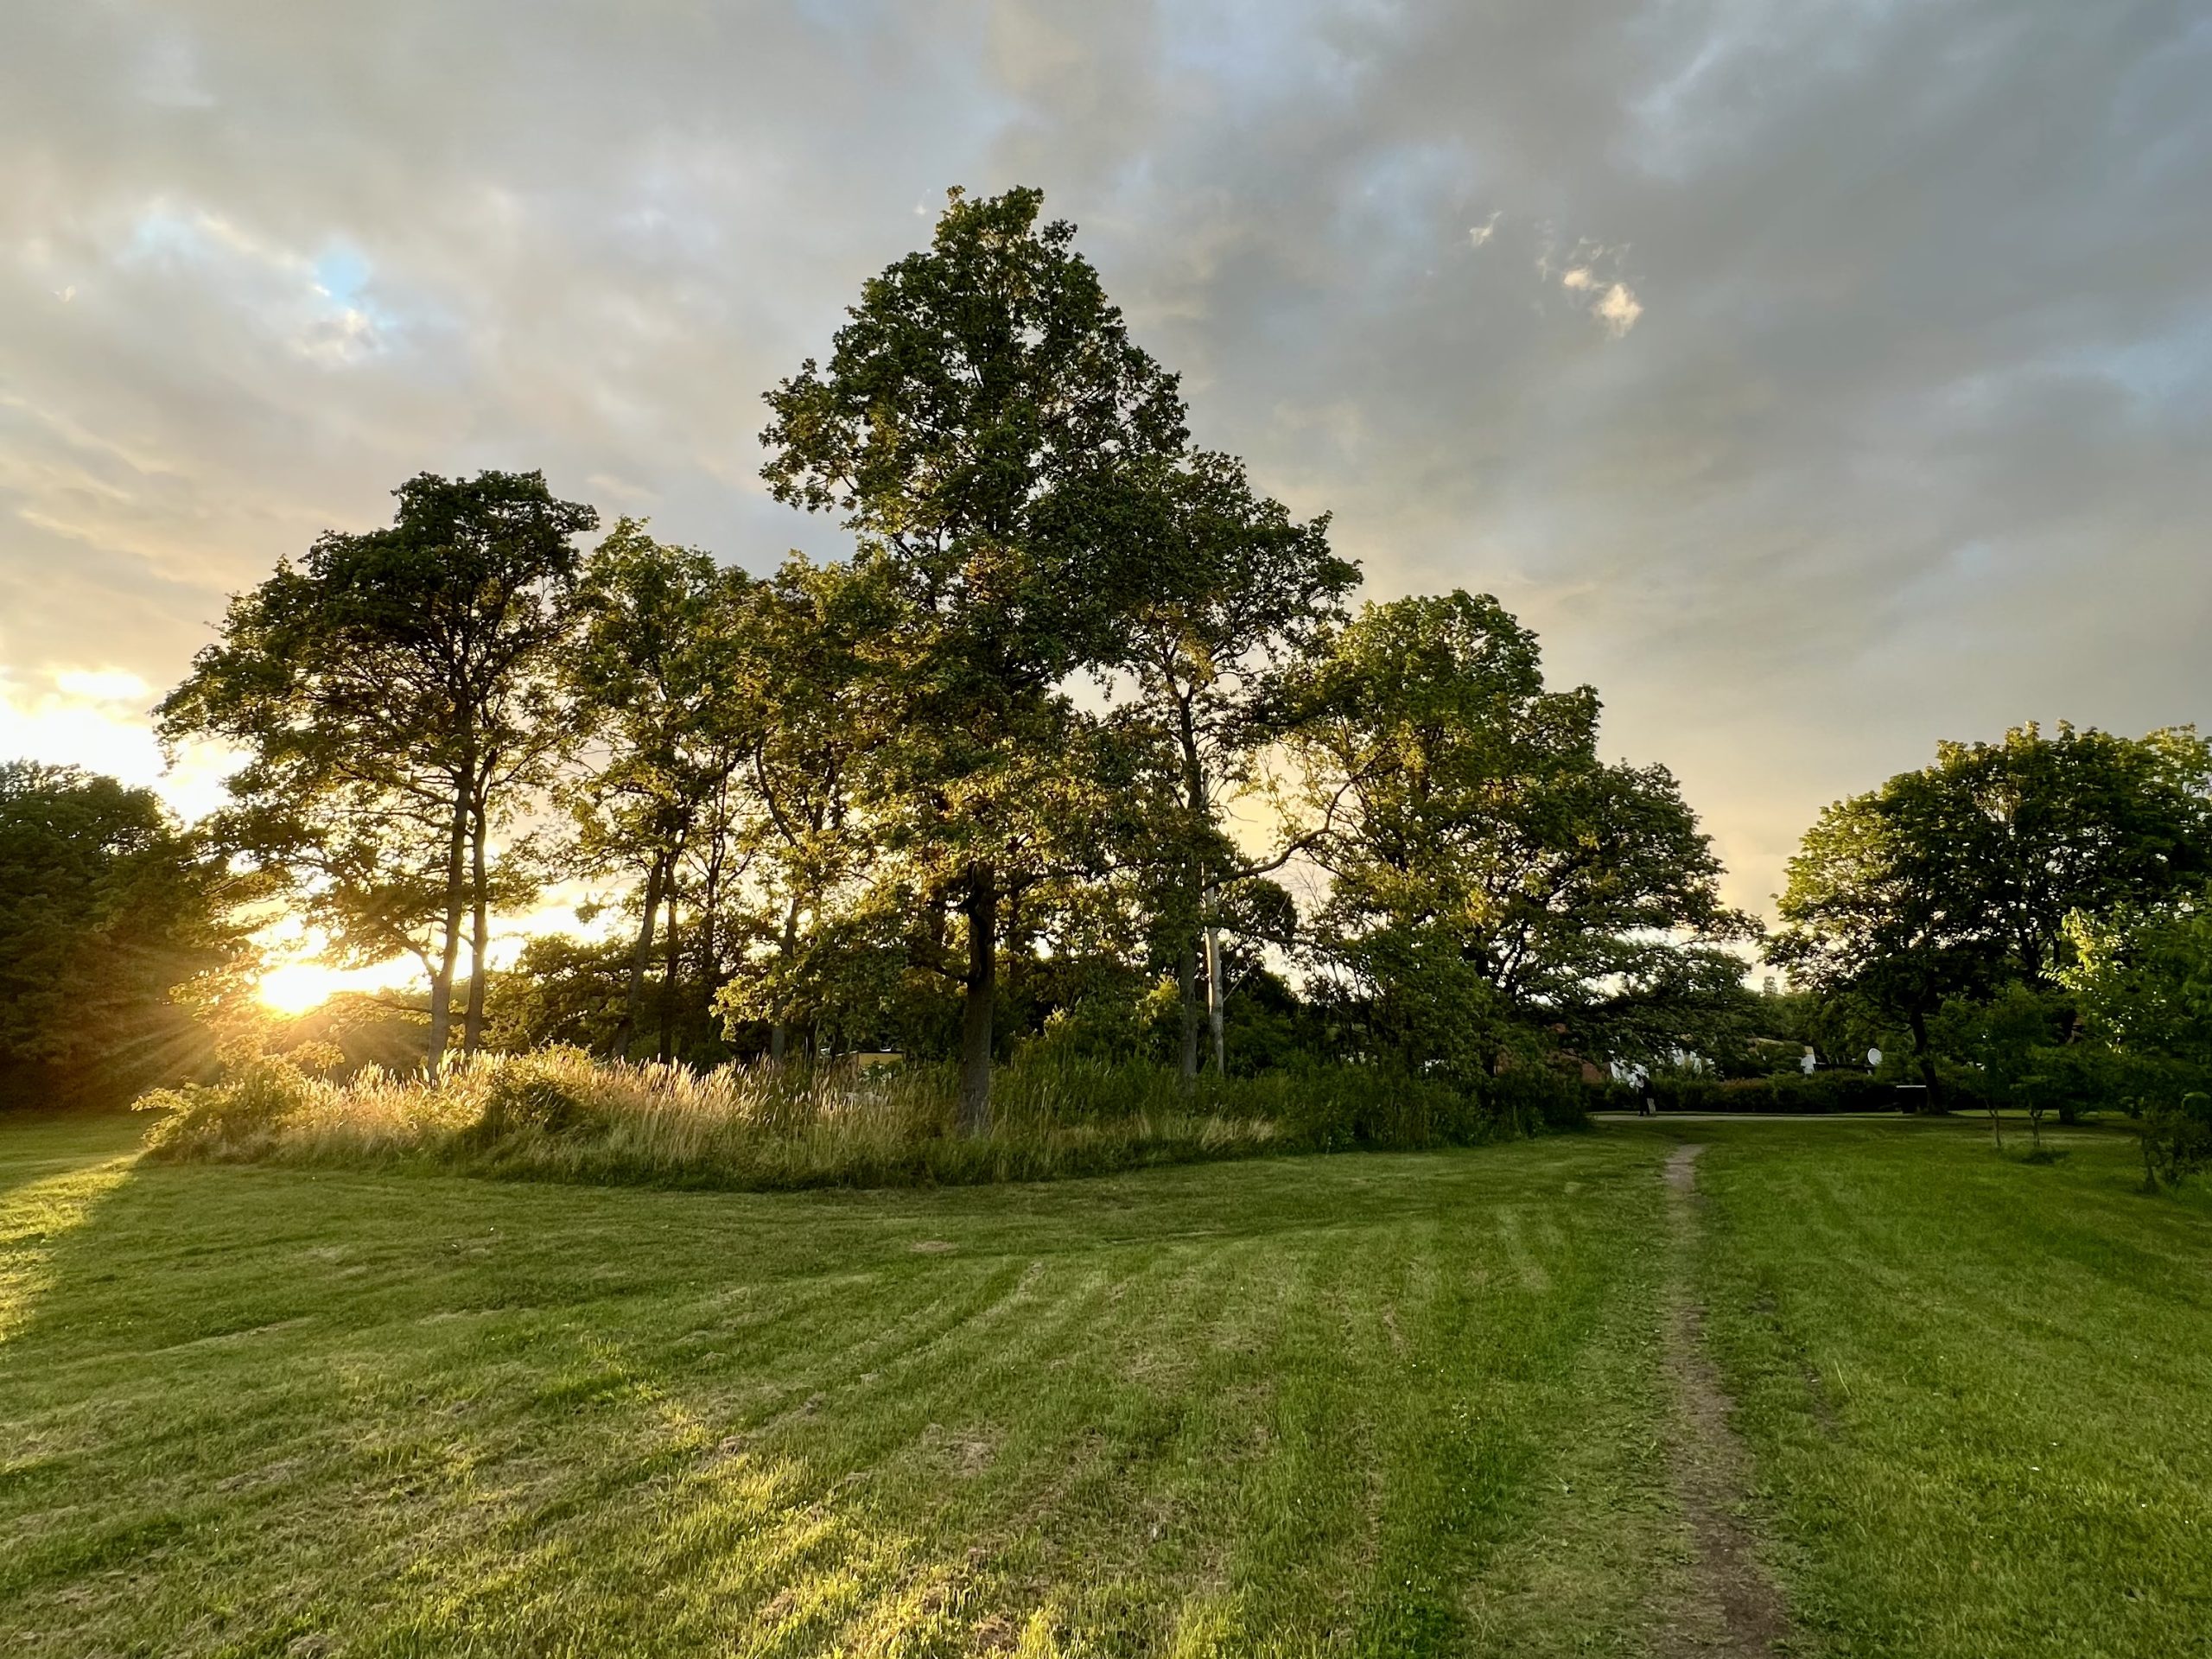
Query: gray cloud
x,y
1823,378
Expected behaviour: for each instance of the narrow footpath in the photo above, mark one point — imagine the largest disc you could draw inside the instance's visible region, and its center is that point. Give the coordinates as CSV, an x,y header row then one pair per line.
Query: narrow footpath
x,y
1733,1607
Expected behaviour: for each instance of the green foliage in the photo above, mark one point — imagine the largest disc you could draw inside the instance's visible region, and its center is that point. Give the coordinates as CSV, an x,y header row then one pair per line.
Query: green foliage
x,y
2143,980
390,695
1957,879
668,719
248,1108
979,426
1495,885
2012,1048
106,909
1821,1093
561,990
1238,594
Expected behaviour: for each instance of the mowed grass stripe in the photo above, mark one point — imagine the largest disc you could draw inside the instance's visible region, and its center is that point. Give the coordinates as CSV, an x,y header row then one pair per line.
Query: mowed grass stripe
x,y
1295,1406
1980,1391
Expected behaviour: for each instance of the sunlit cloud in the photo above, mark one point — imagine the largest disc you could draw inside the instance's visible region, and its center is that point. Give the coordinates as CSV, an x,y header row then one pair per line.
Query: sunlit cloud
x,y
1618,309
98,719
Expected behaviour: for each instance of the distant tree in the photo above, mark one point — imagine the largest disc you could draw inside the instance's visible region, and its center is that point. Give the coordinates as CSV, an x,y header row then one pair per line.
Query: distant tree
x,y
1239,592
106,907
2010,1040
392,695
1495,883
1957,879
560,989
978,426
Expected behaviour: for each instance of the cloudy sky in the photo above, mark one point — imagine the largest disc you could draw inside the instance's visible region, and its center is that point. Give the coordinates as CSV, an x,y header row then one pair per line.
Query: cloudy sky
x,y
1818,376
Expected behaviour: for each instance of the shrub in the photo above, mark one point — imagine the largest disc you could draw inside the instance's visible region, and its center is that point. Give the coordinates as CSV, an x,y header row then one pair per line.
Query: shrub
x,y
551,1090
252,1103
1823,1092
2176,1139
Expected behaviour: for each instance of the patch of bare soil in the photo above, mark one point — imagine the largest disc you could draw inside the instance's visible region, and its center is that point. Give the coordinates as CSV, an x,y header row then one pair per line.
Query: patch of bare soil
x,y
1733,1607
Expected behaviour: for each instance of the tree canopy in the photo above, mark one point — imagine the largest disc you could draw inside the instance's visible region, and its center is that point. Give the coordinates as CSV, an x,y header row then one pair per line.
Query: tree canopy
x,y
980,425
389,693
106,907
1958,879
1493,882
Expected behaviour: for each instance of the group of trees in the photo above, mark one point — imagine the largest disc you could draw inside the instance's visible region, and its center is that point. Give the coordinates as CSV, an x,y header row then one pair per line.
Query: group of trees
x,y
1047,755
985,770
2029,911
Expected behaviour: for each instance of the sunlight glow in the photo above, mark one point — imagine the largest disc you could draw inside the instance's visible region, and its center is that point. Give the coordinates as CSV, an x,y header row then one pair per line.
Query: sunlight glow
x,y
301,983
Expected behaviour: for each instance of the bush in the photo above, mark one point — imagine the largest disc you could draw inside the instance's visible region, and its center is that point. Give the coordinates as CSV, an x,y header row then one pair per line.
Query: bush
x,y
250,1107
1822,1092
550,1090
2176,1139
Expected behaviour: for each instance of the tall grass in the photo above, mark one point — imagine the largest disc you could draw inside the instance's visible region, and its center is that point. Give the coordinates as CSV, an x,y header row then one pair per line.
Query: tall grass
x,y
559,1113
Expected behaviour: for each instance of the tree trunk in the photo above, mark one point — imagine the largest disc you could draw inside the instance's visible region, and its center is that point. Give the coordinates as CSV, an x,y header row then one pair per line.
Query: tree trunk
x,y
779,1031
1215,1014
1186,983
669,974
1921,1053
480,937
640,954
449,953
981,909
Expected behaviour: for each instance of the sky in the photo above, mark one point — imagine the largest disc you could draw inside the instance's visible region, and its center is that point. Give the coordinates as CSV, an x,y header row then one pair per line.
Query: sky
x,y
1818,377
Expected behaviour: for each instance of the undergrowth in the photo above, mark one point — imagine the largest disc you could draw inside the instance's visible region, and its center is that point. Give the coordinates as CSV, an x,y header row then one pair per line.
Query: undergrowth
x,y
560,1114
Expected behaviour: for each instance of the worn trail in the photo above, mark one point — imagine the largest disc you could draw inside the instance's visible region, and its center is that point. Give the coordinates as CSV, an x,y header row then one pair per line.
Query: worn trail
x,y
1734,1607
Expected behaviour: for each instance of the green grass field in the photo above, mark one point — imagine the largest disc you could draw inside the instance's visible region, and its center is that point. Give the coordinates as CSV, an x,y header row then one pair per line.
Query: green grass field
x,y
1359,1404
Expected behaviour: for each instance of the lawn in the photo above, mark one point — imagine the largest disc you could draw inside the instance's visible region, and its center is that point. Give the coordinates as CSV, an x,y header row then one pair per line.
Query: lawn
x,y
1378,1403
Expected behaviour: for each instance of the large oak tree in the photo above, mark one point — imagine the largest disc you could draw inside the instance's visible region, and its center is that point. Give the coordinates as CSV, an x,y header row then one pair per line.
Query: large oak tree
x,y
977,425
1495,883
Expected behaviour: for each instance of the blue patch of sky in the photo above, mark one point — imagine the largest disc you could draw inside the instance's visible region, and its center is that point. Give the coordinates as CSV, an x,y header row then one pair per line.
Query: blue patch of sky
x,y
2171,370
163,232
341,272
844,18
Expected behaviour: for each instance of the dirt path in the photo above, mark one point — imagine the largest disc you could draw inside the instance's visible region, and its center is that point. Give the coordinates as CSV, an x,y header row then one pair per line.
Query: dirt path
x,y
1733,1607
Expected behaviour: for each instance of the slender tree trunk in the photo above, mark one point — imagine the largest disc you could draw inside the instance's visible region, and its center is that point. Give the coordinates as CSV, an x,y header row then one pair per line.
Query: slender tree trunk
x,y
1186,983
640,954
704,941
449,952
480,937
981,908
1215,1013
1927,1059
779,1031
669,975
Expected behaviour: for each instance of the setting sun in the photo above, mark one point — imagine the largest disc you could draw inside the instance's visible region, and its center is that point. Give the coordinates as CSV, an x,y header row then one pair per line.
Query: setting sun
x,y
296,987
